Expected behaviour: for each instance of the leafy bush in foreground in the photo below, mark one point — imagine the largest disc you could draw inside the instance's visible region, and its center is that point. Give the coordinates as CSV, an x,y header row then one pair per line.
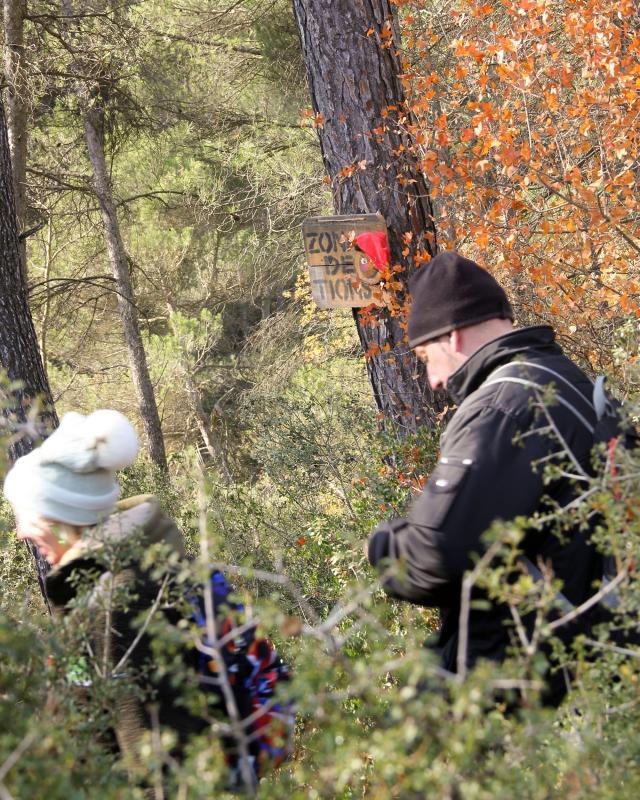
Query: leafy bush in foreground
x,y
377,718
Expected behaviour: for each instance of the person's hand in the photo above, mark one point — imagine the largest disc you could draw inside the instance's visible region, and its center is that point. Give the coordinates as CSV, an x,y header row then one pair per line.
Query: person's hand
x,y
49,537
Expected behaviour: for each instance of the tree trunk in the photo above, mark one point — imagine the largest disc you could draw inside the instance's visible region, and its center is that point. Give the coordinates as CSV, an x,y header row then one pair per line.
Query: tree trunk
x,y
16,77
349,49
46,309
94,126
214,447
19,355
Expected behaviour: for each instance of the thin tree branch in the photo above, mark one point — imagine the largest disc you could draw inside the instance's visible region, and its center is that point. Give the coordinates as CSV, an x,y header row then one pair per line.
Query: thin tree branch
x,y
604,591
13,758
144,627
246,769
468,583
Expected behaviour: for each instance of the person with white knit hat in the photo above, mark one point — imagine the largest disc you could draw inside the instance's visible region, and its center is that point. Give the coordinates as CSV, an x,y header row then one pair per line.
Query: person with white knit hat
x,y
70,479
65,496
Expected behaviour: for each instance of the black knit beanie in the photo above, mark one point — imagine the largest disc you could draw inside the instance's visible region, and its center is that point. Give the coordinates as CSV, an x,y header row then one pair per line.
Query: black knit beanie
x,y
452,292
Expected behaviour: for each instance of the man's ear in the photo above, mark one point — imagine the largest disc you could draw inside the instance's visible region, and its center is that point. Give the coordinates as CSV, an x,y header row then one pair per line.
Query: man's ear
x,y
455,341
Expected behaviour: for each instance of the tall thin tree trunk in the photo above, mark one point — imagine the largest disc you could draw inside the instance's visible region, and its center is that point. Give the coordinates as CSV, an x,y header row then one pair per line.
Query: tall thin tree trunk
x,y
93,127
16,77
19,354
213,445
349,49
46,310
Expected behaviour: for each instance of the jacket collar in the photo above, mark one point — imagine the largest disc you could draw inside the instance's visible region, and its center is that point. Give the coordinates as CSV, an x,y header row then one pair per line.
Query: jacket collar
x,y
130,516
467,378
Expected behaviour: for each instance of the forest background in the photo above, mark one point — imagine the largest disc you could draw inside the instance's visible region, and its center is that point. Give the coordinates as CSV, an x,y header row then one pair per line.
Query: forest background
x,y
521,118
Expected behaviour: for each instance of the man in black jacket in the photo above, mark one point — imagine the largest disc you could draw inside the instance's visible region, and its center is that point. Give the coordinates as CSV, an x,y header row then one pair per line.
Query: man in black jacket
x,y
461,327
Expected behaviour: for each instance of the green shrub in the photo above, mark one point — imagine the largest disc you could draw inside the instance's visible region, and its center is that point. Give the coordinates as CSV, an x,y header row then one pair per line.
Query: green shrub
x,y
377,718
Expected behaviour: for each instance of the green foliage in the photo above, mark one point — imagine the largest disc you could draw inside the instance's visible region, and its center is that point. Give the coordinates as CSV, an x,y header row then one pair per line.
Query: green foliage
x,y
48,726
377,718
279,41
213,177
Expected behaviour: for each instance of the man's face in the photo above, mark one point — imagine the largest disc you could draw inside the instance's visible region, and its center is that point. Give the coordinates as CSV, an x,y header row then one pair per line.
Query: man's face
x,y
440,360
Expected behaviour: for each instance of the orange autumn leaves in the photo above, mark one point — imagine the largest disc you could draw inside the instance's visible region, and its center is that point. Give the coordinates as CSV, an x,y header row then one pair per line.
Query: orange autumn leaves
x,y
525,117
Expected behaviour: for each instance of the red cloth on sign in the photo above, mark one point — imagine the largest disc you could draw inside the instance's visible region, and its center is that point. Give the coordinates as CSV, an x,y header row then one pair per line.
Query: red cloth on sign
x,y
375,246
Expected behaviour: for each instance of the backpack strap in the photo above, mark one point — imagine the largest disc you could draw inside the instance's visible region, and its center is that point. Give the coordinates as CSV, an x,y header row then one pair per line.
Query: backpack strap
x,y
601,407
601,403
495,378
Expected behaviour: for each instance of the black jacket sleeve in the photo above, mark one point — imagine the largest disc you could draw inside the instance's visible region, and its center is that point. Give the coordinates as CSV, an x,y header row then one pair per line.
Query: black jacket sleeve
x,y
483,475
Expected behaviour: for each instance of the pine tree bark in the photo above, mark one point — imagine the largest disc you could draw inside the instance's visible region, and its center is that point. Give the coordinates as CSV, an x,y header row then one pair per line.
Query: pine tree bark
x,y
350,53
19,354
16,78
93,117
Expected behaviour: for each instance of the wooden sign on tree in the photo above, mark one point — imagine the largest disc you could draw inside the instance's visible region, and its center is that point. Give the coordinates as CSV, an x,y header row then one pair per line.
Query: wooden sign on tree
x,y
341,274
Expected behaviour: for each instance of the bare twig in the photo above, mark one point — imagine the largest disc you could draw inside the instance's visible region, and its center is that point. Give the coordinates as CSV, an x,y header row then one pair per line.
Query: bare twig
x,y
246,769
622,708
613,648
106,654
269,577
339,612
158,751
5,794
223,640
144,627
592,601
468,583
575,503
582,475
17,754
515,683
522,634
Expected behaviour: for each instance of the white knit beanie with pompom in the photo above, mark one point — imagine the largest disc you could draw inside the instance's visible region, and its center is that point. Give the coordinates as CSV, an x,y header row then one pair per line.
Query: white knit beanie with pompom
x,y
70,477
